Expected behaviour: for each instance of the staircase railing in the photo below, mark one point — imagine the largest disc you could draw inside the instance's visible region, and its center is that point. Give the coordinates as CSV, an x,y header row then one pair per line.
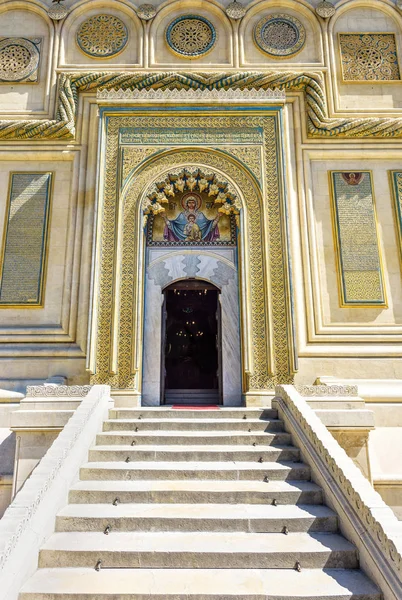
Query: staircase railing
x,y
364,517
30,518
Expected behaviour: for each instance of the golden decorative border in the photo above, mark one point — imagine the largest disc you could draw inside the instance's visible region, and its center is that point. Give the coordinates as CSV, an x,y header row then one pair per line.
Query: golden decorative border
x,y
45,241
117,357
397,210
342,302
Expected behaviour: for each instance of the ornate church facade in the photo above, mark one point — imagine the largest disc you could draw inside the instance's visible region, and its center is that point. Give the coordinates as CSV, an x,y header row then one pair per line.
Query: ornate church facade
x,y
201,210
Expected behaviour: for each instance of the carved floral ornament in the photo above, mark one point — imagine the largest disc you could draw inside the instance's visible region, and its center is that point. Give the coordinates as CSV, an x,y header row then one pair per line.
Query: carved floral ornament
x,y
102,36
190,36
186,180
19,59
279,35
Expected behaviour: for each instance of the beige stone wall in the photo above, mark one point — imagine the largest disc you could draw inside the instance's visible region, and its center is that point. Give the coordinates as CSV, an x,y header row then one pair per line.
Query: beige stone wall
x,y
364,342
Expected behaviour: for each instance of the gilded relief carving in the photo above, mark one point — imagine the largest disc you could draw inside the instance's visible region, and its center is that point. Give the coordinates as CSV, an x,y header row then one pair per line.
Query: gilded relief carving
x,y
280,35
190,36
369,57
250,156
102,36
128,290
19,59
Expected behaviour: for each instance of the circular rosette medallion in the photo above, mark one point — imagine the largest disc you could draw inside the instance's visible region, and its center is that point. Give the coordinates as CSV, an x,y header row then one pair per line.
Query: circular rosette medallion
x,y
190,36
19,59
101,36
279,35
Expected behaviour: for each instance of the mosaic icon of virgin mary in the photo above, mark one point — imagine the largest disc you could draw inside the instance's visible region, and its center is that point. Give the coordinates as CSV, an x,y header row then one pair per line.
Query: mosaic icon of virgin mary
x,y
191,224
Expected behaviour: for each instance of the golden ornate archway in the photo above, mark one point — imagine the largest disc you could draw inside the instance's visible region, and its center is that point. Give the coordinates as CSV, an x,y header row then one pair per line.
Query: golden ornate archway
x,y
116,342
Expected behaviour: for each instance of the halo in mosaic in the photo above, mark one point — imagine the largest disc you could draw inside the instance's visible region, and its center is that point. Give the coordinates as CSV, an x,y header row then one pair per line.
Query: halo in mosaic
x,y
279,35
190,36
19,59
369,57
101,36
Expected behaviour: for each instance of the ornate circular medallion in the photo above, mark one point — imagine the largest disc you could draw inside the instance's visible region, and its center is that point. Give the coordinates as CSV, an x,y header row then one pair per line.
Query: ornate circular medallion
x,y
190,36
235,10
102,36
279,35
57,12
325,9
19,58
146,11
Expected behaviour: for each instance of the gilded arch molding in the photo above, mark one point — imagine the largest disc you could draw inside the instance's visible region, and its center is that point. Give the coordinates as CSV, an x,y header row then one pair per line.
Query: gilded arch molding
x,y
319,124
119,291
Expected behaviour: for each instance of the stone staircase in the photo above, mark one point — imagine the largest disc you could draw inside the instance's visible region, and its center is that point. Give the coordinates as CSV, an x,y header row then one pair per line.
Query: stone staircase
x,y
196,504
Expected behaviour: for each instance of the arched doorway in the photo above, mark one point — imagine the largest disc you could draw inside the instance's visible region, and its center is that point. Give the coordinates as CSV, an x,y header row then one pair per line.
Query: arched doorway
x,y
129,273
191,361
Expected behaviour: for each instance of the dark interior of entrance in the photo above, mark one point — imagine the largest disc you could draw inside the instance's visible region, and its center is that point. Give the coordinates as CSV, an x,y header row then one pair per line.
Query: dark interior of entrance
x,y
191,352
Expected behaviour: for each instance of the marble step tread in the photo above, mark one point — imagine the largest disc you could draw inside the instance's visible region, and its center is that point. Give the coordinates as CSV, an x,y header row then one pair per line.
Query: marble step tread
x,y
193,424
206,584
183,491
196,517
192,453
198,550
171,413
194,437
194,470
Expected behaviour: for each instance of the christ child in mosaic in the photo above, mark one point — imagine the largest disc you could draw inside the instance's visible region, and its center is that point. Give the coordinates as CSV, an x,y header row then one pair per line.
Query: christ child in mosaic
x,y
191,230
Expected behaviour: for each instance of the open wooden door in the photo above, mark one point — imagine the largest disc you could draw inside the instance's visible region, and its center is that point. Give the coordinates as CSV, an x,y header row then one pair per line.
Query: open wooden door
x,y
163,349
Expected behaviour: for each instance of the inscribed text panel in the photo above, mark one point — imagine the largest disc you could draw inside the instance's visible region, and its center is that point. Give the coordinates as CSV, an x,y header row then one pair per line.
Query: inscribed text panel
x,y
356,240
24,246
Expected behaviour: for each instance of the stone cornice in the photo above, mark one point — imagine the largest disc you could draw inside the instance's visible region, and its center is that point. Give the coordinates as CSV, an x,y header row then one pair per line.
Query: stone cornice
x,y
319,125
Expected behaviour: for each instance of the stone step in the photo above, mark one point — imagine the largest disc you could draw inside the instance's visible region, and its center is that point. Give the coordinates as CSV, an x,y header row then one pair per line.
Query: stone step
x,y
196,492
184,438
193,453
183,550
197,584
194,470
193,425
257,518
186,413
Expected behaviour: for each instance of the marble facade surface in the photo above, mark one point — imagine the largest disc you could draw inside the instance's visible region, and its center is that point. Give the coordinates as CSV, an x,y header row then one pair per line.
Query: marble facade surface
x,y
332,340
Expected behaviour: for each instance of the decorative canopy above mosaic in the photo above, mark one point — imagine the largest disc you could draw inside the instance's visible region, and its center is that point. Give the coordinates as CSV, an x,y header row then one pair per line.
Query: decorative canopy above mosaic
x,y
190,36
102,36
191,207
279,35
19,59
